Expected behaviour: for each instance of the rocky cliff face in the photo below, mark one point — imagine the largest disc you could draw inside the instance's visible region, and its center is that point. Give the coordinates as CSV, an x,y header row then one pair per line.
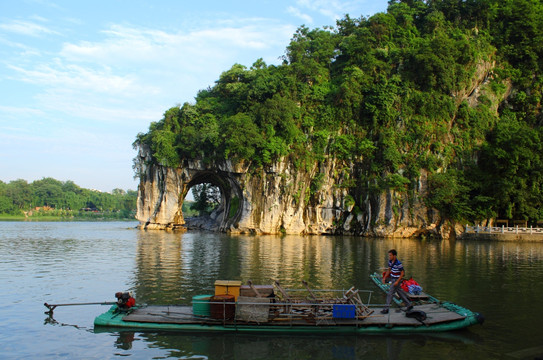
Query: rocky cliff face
x,y
282,199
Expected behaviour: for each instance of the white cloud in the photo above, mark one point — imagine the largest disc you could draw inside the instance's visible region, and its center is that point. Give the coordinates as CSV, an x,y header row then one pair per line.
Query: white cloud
x,y
329,9
26,28
334,9
99,109
296,12
134,74
38,18
136,67
19,111
25,50
137,45
46,3
74,76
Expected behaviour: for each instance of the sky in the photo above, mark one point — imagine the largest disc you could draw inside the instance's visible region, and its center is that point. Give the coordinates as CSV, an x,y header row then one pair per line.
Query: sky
x,y
80,79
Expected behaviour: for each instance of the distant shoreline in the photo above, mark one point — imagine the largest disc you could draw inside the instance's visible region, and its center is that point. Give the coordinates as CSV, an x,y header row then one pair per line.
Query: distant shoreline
x,y
22,218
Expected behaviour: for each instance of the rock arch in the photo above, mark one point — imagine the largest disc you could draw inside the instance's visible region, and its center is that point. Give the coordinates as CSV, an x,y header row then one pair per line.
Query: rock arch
x,y
230,208
162,191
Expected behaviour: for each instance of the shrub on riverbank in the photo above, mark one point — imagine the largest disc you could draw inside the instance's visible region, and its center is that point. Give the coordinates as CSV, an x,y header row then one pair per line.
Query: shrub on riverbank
x,y
50,198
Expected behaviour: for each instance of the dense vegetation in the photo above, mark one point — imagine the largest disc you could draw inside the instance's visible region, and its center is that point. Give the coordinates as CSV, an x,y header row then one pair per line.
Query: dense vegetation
x,y
451,88
52,198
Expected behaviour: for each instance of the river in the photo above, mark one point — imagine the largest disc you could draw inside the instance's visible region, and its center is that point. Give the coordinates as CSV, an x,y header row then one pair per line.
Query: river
x,y
73,262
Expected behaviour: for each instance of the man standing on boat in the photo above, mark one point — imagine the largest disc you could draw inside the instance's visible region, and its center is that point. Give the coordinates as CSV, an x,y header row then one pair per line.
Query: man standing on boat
x,y
396,272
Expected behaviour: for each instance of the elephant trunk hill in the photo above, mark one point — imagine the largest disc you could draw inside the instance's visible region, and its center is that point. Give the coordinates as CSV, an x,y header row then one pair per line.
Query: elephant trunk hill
x,y
412,122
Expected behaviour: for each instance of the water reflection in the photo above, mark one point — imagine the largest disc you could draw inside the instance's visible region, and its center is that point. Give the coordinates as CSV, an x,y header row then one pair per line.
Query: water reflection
x,y
244,346
173,267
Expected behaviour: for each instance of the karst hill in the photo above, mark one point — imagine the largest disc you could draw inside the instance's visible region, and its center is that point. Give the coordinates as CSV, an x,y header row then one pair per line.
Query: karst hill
x,y
410,122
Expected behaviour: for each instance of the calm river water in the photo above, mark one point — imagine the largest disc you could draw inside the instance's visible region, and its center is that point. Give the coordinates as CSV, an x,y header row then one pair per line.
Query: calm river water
x,y
72,262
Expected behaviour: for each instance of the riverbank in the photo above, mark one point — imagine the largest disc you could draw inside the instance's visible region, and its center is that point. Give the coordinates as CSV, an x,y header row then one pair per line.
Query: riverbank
x,y
45,218
502,233
503,237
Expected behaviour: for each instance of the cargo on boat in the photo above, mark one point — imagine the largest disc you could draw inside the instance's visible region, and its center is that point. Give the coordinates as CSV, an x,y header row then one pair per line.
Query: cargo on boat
x,y
272,309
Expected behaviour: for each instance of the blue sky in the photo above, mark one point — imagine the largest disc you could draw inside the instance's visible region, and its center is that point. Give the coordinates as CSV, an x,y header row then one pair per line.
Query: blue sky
x,y
80,79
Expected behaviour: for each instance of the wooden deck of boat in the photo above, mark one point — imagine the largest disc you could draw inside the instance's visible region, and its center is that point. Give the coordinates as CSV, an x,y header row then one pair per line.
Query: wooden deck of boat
x,y
435,315
174,314
177,314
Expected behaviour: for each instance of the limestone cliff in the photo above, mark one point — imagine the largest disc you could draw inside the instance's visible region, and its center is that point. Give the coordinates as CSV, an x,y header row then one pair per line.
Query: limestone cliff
x,y
281,199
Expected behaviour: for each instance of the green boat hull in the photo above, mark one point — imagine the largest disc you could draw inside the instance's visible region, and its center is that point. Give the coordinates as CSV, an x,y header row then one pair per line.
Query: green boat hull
x,y
114,319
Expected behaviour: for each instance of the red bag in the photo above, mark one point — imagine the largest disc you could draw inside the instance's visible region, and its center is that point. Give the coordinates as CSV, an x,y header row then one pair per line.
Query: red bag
x,y
406,283
131,302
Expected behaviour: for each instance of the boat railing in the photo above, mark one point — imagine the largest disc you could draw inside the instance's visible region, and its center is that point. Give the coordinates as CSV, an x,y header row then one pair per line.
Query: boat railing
x,y
314,309
287,303
331,292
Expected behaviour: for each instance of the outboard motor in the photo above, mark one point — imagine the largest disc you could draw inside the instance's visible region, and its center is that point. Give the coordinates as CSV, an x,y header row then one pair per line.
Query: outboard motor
x,y
125,300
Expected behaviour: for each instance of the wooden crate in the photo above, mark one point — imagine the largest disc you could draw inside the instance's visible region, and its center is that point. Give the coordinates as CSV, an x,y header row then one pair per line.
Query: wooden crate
x,y
227,287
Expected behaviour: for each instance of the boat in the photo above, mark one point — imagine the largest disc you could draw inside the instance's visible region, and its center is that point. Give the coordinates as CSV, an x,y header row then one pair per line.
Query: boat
x,y
272,309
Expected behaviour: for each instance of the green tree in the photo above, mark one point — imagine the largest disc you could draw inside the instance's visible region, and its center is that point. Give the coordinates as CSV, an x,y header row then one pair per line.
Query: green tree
x,y
241,137
48,192
20,193
6,205
449,194
511,166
